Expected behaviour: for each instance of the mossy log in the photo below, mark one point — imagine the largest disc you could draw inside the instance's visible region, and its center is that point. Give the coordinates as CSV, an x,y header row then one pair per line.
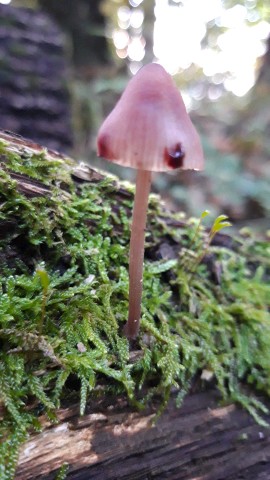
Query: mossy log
x,y
168,405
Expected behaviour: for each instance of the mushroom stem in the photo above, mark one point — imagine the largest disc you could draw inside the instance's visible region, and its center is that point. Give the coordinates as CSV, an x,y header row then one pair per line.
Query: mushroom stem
x,y
136,253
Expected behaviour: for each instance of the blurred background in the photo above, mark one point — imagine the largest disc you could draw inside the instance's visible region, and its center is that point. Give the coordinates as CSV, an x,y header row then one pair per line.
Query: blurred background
x,y
64,64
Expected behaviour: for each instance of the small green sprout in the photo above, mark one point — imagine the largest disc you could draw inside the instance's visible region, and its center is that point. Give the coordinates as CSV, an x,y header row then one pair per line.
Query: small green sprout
x,y
204,214
219,223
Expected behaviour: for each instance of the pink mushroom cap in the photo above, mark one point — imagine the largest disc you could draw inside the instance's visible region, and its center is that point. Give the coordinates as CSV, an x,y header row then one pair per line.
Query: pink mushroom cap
x,y
149,128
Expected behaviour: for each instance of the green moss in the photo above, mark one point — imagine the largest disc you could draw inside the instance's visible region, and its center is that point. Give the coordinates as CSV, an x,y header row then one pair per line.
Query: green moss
x,y
64,301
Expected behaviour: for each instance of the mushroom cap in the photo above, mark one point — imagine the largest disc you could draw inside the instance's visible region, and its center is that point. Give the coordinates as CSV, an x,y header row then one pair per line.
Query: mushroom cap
x,y
149,128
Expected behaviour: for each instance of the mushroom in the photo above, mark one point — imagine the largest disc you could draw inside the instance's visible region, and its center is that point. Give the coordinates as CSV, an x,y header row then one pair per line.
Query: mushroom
x,y
149,130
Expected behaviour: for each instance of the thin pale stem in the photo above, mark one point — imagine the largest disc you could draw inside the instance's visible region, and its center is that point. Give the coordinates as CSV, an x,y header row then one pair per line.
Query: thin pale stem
x,y
136,254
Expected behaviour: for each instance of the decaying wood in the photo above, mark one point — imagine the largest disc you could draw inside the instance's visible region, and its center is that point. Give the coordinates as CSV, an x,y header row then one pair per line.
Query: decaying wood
x,y
200,441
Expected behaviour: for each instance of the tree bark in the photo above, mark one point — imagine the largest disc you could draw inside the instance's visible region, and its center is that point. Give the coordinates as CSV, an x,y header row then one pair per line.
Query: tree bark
x,y
201,440
35,100
85,24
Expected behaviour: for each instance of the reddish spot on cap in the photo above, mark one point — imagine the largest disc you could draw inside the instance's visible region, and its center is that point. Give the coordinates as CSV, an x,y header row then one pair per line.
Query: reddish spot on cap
x,y
174,158
103,147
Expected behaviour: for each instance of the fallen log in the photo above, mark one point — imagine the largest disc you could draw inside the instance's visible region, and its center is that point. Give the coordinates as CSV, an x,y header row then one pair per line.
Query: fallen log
x,y
200,440
100,402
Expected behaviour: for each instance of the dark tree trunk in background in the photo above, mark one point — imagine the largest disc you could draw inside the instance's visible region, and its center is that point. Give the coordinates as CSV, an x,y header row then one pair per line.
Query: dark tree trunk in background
x,y
84,23
33,78
90,58
34,73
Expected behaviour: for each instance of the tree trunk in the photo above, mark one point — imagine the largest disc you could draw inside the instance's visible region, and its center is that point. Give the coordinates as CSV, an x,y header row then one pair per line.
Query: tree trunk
x,y
35,99
85,24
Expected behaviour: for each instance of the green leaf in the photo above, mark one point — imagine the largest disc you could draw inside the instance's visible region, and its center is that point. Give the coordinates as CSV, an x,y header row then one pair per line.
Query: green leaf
x,y
219,223
205,214
222,225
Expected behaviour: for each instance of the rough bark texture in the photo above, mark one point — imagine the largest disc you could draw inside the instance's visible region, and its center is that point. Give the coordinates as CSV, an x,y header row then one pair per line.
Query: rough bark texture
x,y
33,81
85,24
202,440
